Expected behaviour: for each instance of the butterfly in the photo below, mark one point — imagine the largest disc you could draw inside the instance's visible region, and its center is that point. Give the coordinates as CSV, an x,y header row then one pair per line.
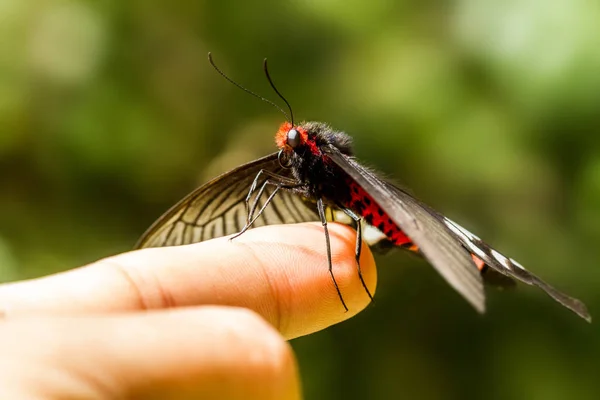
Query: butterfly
x,y
314,176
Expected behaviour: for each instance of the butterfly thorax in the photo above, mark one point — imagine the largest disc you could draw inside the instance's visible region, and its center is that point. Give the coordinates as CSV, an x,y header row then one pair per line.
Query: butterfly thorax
x,y
322,178
319,177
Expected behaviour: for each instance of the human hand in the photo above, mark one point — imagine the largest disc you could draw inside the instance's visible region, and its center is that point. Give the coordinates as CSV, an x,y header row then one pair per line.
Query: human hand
x,y
208,320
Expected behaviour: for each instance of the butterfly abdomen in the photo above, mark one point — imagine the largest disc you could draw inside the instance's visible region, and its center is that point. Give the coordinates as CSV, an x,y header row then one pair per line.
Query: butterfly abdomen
x,y
363,204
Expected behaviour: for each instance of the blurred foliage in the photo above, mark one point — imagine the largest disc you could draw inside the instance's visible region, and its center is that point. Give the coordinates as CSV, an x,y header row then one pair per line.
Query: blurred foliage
x,y
490,111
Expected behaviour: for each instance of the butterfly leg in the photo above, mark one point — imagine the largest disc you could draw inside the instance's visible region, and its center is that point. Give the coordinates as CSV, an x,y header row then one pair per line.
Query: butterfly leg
x,y
277,178
358,220
251,215
252,209
321,210
280,182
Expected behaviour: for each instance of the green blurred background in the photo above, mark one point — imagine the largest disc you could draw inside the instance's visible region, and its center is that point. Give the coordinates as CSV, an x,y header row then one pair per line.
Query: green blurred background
x,y
489,111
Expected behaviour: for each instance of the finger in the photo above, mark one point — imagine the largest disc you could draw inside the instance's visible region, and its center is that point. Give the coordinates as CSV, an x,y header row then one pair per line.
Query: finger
x,y
206,352
281,272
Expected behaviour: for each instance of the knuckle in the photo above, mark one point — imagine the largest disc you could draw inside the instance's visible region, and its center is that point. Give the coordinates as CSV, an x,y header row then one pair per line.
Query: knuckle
x,y
269,354
144,286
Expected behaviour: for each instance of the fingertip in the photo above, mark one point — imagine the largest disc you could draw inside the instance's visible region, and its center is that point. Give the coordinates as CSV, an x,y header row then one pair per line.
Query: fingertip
x,y
296,262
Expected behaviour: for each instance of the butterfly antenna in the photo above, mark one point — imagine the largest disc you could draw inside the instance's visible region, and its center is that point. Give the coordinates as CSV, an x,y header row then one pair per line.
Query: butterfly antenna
x,y
210,59
277,91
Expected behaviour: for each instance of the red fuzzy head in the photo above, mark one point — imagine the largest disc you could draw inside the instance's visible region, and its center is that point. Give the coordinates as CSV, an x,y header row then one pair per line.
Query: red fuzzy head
x,y
281,135
281,138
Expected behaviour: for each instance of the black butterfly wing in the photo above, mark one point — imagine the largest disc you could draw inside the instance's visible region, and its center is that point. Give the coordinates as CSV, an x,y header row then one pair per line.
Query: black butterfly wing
x,y
511,268
435,224
218,208
501,264
436,241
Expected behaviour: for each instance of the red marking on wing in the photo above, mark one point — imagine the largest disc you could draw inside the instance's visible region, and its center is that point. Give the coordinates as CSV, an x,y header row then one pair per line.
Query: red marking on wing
x,y
478,262
362,203
281,138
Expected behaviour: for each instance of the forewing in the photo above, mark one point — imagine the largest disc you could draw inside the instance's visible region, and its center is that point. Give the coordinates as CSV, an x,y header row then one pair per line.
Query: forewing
x,y
218,208
435,240
509,267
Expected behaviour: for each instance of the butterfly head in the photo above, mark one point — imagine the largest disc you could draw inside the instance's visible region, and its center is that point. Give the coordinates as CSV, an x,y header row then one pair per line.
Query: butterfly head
x,y
306,140
290,138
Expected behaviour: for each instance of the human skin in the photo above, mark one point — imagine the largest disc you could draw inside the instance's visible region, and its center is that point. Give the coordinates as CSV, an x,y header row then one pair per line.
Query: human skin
x,y
208,320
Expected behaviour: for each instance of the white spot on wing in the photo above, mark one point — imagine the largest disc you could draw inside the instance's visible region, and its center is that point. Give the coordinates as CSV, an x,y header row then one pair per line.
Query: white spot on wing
x,y
457,229
467,237
501,259
517,264
477,251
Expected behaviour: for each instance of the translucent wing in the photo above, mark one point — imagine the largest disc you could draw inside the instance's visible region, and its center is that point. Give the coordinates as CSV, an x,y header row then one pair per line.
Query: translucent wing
x,y
218,208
